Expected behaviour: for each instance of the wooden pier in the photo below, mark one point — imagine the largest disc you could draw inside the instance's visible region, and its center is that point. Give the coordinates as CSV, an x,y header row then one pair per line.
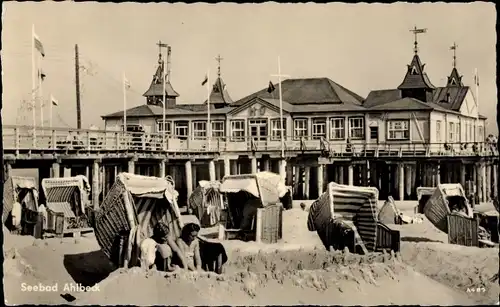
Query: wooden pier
x,y
395,168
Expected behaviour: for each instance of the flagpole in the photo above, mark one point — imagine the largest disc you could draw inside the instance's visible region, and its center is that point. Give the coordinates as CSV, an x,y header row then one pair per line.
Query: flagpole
x,y
40,90
50,115
124,105
33,78
281,111
209,126
163,101
476,86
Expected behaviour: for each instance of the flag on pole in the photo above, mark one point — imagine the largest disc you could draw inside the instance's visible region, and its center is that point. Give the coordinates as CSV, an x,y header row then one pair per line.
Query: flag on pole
x,y
271,87
126,82
38,44
476,79
54,101
205,80
41,74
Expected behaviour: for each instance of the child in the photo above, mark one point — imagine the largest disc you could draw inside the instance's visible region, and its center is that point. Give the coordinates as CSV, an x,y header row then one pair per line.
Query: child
x,y
165,246
190,246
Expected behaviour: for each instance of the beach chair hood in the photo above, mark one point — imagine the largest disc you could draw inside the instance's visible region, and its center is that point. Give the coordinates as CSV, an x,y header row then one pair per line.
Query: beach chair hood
x,y
134,205
10,193
438,206
59,190
351,203
206,201
267,186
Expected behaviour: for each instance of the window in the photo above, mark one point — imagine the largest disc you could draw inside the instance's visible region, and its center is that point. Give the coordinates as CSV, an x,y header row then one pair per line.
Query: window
x,y
471,135
413,70
199,130
300,128
167,125
181,129
480,137
275,129
337,129
218,129
451,132
457,132
374,133
356,128
238,130
438,131
319,128
398,130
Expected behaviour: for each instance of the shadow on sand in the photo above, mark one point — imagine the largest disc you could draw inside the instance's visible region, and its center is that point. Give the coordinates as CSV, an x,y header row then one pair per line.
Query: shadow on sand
x,y
419,239
88,268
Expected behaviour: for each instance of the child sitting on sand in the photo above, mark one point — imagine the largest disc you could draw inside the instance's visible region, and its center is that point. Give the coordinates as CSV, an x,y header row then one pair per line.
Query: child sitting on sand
x,y
190,246
164,248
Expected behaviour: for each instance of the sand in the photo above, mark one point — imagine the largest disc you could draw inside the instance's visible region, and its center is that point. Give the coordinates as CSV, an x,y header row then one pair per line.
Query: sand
x,y
344,282
295,271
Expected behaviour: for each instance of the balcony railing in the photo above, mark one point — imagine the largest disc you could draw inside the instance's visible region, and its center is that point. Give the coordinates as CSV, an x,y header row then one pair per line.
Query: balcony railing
x,y
22,138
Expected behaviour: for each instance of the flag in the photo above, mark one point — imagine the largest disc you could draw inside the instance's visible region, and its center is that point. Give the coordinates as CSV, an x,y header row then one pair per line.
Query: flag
x,y
476,79
126,82
41,74
38,44
271,87
205,80
53,101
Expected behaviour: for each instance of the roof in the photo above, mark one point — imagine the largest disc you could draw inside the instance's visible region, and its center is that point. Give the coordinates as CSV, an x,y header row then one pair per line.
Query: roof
x,y
402,104
381,96
456,97
410,104
307,91
179,110
415,76
219,94
156,87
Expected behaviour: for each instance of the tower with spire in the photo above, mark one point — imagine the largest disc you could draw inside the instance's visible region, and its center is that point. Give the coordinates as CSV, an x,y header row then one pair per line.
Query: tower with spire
x,y
154,94
219,97
454,79
416,83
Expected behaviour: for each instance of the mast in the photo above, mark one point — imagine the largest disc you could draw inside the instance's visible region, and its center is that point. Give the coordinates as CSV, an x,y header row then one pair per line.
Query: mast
x,y
209,126
33,78
77,83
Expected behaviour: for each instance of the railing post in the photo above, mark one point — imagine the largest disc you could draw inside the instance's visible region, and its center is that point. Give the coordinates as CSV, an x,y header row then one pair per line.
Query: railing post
x,y
117,140
16,139
88,141
54,139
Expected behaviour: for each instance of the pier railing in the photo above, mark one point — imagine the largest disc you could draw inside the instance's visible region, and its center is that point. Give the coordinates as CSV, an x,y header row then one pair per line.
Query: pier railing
x,y
22,138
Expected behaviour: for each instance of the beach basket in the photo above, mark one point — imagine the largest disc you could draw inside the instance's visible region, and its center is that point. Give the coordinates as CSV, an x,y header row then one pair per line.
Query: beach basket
x,y
12,189
437,208
423,195
111,220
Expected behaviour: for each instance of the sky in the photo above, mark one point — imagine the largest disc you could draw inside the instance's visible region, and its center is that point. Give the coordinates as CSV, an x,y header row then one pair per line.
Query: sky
x,y
363,47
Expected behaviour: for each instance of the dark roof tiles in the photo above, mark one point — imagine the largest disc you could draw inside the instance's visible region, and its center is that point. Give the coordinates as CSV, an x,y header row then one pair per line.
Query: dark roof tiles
x,y
307,91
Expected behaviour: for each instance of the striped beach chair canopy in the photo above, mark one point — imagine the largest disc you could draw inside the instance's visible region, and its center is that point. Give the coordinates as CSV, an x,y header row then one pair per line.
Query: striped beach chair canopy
x,y
445,198
267,186
73,190
206,201
15,188
350,203
135,204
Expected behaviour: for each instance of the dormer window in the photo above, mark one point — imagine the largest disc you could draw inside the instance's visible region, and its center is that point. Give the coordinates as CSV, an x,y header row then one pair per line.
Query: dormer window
x,y
453,81
448,97
414,71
